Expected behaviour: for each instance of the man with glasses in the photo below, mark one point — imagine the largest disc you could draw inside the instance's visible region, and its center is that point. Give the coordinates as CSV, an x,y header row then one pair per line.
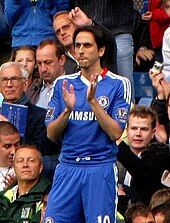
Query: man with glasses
x,y
64,29
13,84
64,24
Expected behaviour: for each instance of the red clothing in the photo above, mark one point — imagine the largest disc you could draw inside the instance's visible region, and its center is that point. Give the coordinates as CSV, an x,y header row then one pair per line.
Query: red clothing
x,y
159,22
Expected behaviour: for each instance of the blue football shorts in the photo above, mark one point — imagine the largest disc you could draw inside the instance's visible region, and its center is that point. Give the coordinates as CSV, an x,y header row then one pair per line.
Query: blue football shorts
x,y
83,194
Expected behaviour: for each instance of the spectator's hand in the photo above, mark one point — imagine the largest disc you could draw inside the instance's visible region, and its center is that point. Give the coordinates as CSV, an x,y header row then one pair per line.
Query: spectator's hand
x,y
69,96
79,18
161,134
144,54
147,16
9,179
3,118
92,87
166,87
157,79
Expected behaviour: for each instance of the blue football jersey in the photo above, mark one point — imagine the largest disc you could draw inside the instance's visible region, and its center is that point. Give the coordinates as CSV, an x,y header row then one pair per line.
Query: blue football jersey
x,y
83,136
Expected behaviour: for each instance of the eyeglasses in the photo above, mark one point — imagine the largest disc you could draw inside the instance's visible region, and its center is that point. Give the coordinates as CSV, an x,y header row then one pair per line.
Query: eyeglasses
x,y
14,80
64,28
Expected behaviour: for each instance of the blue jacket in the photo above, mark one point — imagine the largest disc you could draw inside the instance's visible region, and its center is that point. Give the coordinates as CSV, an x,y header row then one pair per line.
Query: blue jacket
x,y
31,23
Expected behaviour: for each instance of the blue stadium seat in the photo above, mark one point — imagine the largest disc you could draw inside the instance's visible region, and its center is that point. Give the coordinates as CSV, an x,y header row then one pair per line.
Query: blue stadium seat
x,y
143,86
145,101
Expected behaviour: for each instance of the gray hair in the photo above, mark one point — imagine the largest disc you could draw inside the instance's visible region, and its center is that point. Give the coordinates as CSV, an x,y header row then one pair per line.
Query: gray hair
x,y
60,13
24,71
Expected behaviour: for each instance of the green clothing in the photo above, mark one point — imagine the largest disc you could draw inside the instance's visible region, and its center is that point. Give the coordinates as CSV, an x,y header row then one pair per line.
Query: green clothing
x,y
119,218
26,208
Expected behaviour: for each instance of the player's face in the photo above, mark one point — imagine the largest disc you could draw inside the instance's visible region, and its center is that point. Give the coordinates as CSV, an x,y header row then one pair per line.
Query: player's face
x,y
49,65
140,132
64,29
86,50
8,145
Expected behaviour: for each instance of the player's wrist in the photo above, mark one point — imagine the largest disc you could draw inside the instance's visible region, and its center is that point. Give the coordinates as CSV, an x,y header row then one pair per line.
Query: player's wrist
x,y
92,101
68,110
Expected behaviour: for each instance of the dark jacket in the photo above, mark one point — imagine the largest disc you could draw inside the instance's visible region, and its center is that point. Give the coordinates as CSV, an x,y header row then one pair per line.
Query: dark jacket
x,y
36,131
160,107
141,38
26,207
116,15
70,66
146,172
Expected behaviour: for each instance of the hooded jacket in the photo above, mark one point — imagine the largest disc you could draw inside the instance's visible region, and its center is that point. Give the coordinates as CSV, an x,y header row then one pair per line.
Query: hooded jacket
x,y
26,208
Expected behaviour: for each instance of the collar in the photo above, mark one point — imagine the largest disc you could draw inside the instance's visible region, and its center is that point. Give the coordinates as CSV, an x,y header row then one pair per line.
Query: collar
x,y
72,57
100,77
22,100
44,85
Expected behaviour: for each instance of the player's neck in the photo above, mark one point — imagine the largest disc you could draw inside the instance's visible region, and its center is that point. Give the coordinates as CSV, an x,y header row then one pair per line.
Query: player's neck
x,y
87,72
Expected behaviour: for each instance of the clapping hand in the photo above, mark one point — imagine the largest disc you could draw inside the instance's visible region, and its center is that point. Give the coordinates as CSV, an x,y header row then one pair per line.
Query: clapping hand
x,y
10,178
69,95
92,88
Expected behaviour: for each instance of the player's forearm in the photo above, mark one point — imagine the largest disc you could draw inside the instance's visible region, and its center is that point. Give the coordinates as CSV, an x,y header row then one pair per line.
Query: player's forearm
x,y
109,125
55,128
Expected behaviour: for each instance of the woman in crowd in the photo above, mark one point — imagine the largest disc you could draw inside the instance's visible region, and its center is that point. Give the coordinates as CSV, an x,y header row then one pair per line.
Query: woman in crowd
x,y
25,55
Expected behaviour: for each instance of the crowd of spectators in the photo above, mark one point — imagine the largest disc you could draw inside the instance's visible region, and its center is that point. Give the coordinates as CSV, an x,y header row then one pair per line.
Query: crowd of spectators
x,y
42,57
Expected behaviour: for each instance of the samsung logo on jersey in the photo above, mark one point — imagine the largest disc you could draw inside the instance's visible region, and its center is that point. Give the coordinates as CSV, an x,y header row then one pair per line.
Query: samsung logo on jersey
x,y
82,116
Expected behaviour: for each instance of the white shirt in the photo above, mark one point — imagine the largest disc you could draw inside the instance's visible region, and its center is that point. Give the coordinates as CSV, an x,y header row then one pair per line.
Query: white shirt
x,y
45,95
3,172
166,53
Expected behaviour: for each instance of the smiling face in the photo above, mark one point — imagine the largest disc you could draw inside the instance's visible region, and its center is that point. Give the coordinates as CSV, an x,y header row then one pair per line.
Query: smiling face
x,y
139,132
64,29
86,50
27,164
12,90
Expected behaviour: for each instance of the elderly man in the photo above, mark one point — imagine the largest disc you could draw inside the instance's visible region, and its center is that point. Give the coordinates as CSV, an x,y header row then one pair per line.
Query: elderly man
x,y
50,56
13,83
9,142
23,202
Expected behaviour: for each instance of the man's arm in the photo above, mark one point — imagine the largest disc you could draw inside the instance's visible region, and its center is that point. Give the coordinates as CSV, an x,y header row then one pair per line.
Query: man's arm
x,y
13,10
56,127
108,124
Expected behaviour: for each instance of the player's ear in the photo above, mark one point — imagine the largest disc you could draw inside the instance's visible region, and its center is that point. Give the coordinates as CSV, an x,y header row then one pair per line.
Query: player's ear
x,y
101,51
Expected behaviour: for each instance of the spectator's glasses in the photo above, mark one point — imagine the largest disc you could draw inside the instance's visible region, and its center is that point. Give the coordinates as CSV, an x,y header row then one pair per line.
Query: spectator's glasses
x,y
64,28
14,80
